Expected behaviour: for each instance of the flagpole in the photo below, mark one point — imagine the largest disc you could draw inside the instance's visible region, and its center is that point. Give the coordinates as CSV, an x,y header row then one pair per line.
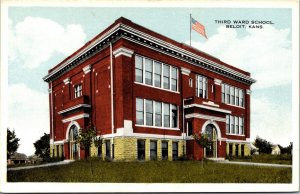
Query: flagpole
x,y
190,30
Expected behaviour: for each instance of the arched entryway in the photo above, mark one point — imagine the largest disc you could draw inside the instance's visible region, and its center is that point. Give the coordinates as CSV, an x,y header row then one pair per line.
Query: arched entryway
x,y
213,132
74,147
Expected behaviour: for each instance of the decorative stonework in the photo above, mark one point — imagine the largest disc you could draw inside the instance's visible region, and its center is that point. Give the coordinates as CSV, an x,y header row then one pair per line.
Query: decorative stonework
x,y
67,81
185,71
218,82
248,92
86,69
123,51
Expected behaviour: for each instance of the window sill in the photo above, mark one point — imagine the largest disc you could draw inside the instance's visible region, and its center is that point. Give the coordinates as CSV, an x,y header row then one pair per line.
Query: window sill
x,y
235,134
175,129
157,87
234,105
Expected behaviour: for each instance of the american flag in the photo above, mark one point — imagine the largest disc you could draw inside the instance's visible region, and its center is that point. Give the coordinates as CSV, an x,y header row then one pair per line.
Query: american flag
x,y
198,27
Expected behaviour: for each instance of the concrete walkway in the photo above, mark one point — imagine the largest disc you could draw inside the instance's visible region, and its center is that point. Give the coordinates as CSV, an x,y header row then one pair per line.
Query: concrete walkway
x,y
255,164
41,165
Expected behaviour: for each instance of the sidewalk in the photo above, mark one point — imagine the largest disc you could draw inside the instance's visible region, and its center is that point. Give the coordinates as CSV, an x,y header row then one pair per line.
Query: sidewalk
x,y
42,165
256,164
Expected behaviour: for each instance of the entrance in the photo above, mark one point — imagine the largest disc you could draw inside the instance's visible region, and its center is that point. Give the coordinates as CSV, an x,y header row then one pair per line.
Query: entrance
x,y
211,151
73,145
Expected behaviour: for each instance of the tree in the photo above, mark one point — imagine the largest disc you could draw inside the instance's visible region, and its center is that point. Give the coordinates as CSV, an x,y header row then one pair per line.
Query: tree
x,y
12,143
203,140
42,147
263,145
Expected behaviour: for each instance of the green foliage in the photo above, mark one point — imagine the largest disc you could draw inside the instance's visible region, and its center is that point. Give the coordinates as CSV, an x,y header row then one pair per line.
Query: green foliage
x,y
42,147
153,172
263,145
12,143
287,150
202,139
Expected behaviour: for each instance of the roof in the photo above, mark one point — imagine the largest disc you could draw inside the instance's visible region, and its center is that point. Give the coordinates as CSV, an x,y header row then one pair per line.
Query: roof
x,y
126,29
18,156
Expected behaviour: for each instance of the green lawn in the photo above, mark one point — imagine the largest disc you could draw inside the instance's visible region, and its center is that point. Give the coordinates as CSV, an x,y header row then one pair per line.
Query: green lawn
x,y
153,172
266,158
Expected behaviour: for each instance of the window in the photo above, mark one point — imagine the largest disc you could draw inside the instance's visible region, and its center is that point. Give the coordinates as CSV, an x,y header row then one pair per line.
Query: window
x,y
139,111
148,71
191,82
190,128
164,150
157,74
149,112
236,149
78,90
107,149
158,114
231,124
166,115
232,95
242,150
227,124
201,86
174,79
227,95
100,151
166,77
175,150
153,150
241,94
139,69
154,73
236,125
230,149
174,116
141,149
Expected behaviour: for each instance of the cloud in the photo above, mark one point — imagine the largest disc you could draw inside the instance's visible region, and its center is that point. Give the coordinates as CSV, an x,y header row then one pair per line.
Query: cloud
x,y
35,40
266,53
28,114
270,121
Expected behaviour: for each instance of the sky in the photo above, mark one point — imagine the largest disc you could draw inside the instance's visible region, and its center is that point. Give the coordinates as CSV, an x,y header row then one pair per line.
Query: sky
x,y
41,37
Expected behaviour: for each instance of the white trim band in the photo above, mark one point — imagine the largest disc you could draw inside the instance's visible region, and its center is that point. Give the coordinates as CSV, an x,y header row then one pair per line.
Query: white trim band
x,y
84,115
211,103
74,107
202,116
208,108
123,51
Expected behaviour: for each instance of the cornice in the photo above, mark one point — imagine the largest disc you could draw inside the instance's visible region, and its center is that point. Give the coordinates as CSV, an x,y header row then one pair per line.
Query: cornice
x,y
123,31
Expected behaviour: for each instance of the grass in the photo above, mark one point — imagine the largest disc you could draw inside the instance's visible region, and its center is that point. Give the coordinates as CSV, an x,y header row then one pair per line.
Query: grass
x,y
266,158
153,172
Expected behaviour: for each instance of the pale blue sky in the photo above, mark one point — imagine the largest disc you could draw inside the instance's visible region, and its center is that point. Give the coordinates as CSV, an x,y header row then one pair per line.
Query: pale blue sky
x,y
174,23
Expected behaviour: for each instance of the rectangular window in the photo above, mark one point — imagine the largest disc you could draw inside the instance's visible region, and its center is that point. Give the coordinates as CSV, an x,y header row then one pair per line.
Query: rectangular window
x,y
227,97
242,150
78,90
107,149
236,122
166,115
141,149
174,79
164,150
230,149
149,112
139,111
231,124
175,150
227,124
100,151
241,95
148,71
190,128
157,74
191,82
166,76
174,116
236,150
201,86
138,69
158,114
236,96
241,122
153,150
231,95
223,93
